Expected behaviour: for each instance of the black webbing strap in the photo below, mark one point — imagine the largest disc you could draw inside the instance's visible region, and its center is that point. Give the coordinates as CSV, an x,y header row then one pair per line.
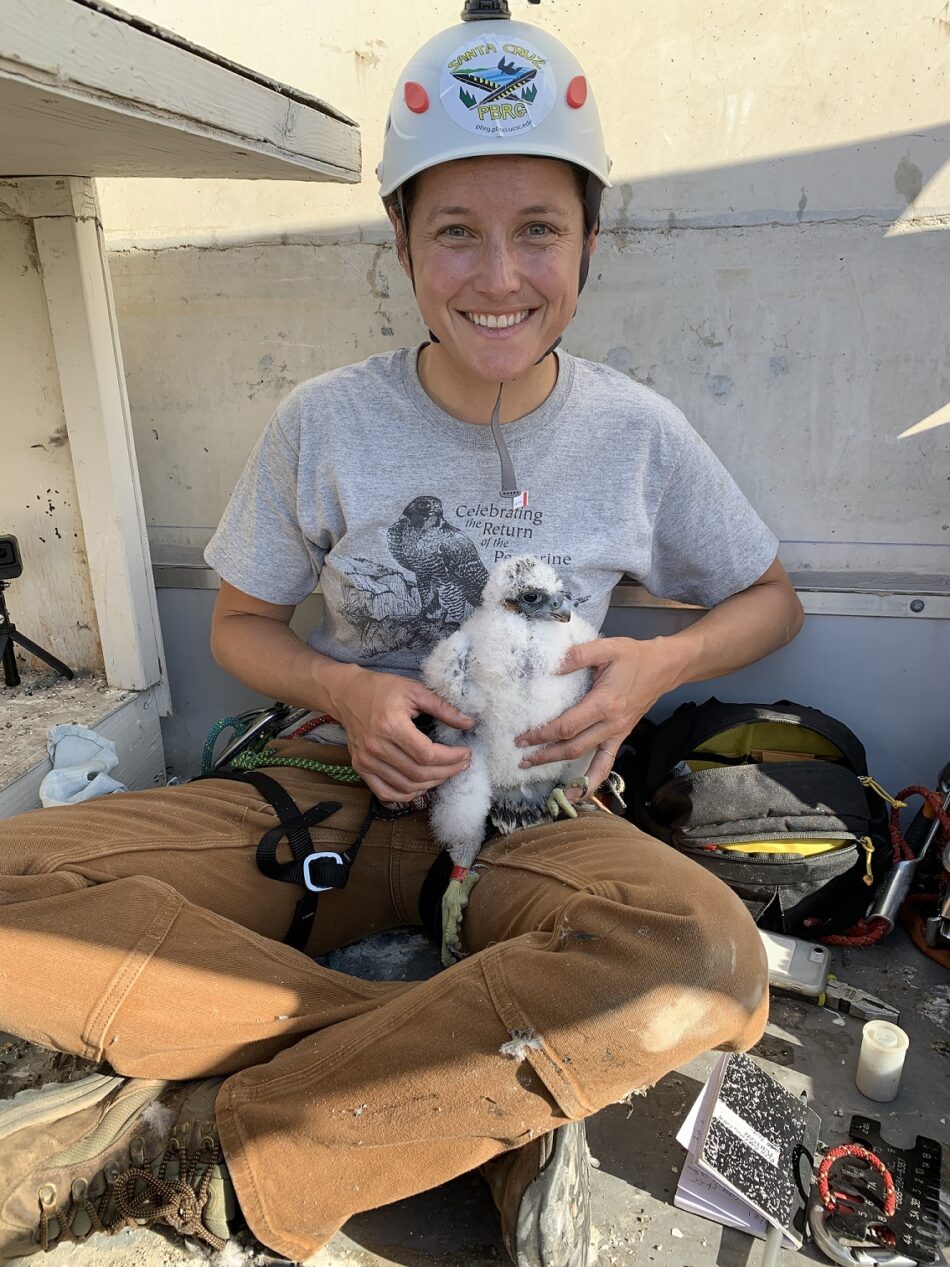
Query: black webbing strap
x,y
314,869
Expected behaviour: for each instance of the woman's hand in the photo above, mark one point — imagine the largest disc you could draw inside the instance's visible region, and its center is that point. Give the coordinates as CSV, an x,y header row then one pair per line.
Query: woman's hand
x,y
393,757
629,677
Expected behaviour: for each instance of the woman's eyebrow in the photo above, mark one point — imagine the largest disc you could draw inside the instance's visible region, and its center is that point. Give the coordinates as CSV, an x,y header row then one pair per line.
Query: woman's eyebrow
x,y
537,209
436,212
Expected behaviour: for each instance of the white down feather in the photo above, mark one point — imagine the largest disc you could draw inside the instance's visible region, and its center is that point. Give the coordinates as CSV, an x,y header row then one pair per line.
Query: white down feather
x,y
501,668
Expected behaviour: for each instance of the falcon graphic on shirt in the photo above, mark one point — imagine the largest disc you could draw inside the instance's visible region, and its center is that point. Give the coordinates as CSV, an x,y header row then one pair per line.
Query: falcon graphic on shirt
x,y
442,558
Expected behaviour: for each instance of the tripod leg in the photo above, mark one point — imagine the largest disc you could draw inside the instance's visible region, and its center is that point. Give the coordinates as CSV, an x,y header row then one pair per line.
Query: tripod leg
x,y
41,653
10,672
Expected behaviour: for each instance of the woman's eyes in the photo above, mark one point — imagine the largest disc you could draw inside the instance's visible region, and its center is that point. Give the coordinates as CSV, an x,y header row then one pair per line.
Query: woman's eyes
x,y
458,232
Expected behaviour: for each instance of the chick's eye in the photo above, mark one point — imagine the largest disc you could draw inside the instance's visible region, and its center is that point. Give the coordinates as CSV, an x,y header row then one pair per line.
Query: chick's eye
x,y
531,597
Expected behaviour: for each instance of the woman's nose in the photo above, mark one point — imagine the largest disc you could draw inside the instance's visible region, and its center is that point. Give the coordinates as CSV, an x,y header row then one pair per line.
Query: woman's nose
x,y
498,273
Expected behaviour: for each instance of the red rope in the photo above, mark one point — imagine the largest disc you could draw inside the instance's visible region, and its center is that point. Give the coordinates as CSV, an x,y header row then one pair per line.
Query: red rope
x,y
867,932
831,1199
312,724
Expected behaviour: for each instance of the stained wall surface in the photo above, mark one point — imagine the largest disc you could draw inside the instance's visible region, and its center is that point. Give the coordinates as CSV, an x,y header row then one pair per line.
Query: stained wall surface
x,y
51,602
775,254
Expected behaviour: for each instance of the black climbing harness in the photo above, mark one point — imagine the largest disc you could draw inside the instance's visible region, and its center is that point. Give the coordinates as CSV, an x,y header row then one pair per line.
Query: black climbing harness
x,y
315,869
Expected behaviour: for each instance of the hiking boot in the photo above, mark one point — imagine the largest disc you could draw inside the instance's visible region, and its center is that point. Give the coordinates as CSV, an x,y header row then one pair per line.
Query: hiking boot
x,y
108,1153
542,1192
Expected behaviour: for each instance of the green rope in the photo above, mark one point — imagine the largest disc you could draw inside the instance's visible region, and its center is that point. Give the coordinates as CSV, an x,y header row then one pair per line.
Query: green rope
x,y
249,760
207,754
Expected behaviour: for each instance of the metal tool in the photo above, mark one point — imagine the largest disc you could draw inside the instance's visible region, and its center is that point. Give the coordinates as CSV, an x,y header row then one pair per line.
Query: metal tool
x,y
894,890
857,1231
841,997
850,1255
937,927
261,723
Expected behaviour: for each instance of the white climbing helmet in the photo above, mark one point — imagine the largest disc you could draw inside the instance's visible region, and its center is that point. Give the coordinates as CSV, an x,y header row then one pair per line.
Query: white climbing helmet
x,y
491,87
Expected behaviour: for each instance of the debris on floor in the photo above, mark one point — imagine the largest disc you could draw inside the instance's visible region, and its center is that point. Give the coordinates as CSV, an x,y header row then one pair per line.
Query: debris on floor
x,y
45,699
635,1223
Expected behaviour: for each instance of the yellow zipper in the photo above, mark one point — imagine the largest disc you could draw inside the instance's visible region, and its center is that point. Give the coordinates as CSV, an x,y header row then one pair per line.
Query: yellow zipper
x,y
867,845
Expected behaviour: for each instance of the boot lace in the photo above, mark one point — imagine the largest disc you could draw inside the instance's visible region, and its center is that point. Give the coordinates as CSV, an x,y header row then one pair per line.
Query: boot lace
x,y
139,1196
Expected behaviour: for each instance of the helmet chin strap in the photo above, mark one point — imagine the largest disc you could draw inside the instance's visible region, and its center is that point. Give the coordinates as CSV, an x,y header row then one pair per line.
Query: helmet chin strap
x,y
509,484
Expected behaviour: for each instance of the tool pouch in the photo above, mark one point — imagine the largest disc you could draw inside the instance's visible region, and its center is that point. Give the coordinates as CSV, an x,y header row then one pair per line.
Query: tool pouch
x,y
770,799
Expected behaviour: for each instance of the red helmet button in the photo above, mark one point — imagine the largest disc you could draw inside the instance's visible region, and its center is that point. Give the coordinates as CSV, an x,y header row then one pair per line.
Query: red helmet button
x,y
416,97
576,92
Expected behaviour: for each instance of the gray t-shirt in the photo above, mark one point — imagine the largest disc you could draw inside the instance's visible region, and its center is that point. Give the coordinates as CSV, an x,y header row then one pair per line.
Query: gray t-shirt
x,y
362,483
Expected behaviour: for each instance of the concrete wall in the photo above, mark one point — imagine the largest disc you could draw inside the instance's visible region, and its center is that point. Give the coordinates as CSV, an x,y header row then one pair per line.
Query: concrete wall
x,y
886,694
775,258
775,255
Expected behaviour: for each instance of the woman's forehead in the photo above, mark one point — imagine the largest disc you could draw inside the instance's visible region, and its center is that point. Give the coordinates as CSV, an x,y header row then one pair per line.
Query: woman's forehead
x,y
511,178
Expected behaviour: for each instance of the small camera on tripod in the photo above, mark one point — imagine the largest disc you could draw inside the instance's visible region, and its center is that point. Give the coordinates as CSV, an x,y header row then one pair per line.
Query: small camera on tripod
x,y
11,564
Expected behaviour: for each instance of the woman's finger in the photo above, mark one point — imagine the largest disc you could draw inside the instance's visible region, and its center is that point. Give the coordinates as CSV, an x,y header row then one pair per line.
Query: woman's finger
x,y
389,783
387,761
428,767
590,711
603,762
568,750
426,753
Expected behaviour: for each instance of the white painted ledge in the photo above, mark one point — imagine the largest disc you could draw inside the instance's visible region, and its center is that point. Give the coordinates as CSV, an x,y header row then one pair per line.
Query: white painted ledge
x,y
915,596
132,724
88,90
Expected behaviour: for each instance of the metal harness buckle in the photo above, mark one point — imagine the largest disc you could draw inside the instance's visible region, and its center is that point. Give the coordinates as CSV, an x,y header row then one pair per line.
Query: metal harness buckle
x,y
315,857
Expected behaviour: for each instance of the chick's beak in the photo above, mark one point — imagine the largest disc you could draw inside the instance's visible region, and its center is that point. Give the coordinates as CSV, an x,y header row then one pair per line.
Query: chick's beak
x,y
557,609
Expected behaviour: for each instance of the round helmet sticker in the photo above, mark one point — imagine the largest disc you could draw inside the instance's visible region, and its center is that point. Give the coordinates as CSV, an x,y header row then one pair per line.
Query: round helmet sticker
x,y
497,86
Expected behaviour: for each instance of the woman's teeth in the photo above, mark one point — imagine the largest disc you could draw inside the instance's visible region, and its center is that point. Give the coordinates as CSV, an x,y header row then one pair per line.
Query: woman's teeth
x,y
498,321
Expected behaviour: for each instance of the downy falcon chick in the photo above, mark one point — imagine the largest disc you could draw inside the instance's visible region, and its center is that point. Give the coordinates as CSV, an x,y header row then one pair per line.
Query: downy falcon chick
x,y
501,667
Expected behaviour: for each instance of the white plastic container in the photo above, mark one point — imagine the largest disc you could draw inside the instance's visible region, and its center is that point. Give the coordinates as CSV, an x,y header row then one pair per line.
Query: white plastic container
x,y
881,1062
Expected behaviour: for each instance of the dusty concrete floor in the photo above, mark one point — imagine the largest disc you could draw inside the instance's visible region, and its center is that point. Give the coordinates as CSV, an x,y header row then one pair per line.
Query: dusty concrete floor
x,y
45,699
806,1047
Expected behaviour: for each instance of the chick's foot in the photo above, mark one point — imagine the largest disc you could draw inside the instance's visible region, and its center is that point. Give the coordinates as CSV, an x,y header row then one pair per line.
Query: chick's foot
x,y
454,902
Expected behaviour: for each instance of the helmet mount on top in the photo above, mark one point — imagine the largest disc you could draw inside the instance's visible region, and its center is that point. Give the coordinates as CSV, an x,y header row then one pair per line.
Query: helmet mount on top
x,y
476,10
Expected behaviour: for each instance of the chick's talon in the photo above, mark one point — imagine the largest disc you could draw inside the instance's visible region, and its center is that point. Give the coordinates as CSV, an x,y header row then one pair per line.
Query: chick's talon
x,y
454,902
558,803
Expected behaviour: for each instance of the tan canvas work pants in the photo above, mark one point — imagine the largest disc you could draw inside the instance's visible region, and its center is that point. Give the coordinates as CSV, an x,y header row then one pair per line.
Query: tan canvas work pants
x,y
138,929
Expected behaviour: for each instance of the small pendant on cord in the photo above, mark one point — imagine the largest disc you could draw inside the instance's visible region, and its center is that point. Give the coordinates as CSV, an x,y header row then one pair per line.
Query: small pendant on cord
x,y
518,500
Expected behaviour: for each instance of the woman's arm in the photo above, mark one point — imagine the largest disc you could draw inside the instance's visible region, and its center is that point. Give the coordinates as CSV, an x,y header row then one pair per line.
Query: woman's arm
x,y
252,640
631,675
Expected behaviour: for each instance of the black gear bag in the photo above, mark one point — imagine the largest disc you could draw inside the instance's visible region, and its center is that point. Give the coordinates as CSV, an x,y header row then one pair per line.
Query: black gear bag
x,y
775,800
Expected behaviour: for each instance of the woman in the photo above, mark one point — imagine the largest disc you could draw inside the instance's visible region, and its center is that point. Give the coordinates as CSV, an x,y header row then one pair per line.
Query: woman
x,y
598,959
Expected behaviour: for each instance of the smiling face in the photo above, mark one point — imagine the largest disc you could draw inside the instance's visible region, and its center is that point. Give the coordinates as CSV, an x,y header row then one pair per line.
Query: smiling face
x,y
496,245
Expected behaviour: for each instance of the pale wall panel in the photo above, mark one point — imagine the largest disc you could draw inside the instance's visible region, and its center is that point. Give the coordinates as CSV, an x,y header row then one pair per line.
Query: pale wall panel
x,y
800,108
52,602
799,353
775,255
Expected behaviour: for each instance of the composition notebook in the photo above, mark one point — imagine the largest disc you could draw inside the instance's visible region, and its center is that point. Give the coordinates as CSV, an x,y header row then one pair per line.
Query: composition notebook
x,y
750,1151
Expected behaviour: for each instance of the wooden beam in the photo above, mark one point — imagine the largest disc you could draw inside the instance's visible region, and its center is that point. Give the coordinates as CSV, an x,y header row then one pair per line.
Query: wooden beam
x,y
57,196
93,92
96,407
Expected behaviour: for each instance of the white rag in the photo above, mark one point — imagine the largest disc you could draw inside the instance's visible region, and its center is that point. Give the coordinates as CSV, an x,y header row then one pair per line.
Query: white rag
x,y
81,761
